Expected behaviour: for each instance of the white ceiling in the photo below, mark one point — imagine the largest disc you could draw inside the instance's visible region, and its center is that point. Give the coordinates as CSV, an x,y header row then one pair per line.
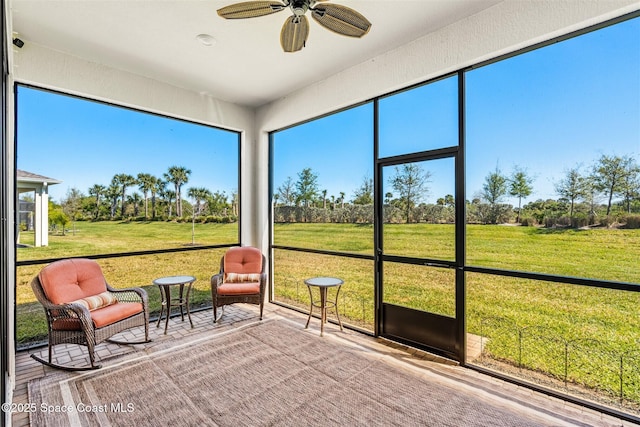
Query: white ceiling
x,y
246,65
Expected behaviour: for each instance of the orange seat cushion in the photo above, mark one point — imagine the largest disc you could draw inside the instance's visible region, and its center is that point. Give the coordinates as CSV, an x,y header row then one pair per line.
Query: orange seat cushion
x,y
246,288
102,317
114,313
72,279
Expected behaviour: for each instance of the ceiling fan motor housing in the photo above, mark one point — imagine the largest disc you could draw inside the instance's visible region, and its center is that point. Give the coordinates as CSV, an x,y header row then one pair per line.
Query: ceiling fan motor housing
x,y
299,7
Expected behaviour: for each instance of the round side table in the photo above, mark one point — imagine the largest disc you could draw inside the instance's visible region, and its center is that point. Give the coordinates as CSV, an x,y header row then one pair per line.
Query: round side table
x,y
323,284
182,300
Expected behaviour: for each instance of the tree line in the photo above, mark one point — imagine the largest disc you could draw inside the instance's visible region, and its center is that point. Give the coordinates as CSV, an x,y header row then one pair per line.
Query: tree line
x,y
157,198
586,196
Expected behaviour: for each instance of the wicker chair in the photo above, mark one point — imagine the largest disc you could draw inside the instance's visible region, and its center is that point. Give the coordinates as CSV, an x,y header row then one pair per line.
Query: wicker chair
x,y
242,279
82,308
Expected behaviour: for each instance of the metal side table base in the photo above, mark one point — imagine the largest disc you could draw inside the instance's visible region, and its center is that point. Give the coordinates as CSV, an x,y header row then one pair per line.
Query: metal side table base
x,y
323,284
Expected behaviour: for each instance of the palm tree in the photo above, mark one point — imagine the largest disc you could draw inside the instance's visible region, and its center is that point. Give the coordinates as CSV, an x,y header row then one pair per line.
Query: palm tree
x,y
388,196
198,194
112,194
178,176
146,182
158,188
97,191
135,200
123,180
169,196
217,203
449,200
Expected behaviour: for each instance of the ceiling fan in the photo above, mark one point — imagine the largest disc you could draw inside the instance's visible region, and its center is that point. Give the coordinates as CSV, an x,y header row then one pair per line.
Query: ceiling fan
x,y
294,33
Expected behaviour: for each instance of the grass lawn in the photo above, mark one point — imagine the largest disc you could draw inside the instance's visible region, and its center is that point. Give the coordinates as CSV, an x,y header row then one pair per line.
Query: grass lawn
x,y
608,254
92,238
593,313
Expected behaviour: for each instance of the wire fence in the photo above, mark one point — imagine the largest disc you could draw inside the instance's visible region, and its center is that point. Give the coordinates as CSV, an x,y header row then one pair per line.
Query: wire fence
x,y
586,367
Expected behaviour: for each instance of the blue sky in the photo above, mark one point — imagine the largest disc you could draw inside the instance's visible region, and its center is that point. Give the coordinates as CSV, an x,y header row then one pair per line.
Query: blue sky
x,y
556,108
544,111
83,143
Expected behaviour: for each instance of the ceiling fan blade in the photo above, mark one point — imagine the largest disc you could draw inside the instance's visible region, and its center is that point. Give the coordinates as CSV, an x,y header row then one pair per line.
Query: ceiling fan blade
x,y
341,20
250,9
294,33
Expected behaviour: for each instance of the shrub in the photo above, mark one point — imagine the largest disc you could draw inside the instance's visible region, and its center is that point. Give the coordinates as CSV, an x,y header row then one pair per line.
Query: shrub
x,y
580,220
528,221
607,221
631,221
217,219
553,221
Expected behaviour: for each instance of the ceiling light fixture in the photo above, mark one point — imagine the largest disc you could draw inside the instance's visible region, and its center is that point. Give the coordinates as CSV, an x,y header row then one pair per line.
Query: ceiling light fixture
x,y
206,39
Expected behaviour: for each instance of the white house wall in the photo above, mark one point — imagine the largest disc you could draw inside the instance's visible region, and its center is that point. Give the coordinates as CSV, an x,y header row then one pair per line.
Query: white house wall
x,y
501,29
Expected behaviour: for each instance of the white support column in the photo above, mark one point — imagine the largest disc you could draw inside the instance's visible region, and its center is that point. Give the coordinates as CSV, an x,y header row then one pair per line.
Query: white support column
x,y
42,216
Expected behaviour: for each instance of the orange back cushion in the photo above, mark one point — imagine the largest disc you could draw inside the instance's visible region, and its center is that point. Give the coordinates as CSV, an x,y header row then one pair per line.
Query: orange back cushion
x,y
72,279
245,260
